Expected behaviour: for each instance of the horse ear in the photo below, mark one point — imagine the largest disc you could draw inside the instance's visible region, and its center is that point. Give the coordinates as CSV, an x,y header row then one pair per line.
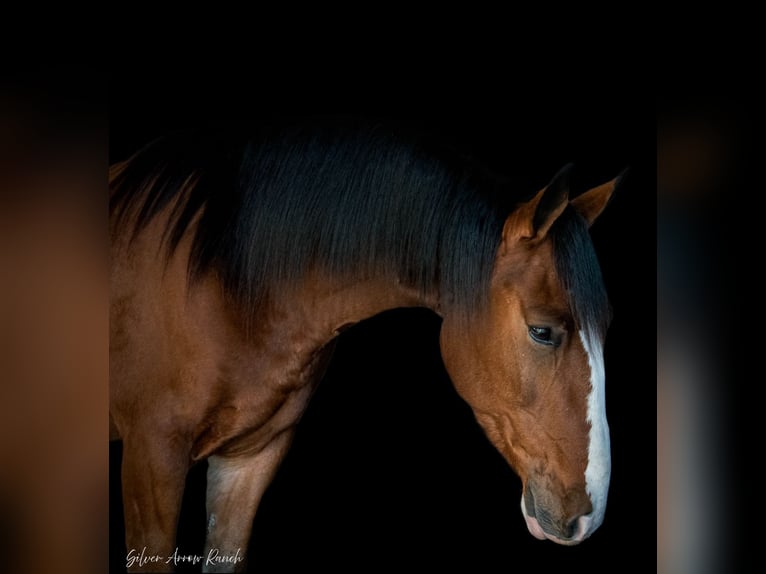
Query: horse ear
x,y
591,203
533,219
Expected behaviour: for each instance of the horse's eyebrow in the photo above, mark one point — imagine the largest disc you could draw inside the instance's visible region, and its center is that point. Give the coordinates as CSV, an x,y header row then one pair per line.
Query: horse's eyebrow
x,y
551,313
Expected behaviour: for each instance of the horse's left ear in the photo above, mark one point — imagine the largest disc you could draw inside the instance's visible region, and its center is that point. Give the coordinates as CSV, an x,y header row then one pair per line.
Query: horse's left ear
x,y
591,203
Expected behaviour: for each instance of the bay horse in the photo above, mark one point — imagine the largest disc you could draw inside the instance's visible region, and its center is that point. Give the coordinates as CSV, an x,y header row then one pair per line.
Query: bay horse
x,y
236,262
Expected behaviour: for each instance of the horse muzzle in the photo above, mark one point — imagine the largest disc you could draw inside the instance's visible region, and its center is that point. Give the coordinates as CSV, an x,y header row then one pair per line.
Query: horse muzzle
x,y
567,528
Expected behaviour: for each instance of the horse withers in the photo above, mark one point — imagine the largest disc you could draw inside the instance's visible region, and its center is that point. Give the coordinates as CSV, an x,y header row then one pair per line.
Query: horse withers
x,y
237,261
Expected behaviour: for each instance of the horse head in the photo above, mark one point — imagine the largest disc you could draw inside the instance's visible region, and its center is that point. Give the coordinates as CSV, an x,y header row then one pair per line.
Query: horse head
x,y
531,366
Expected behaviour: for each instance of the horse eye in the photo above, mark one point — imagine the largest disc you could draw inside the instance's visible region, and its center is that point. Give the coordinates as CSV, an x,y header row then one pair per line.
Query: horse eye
x,y
541,335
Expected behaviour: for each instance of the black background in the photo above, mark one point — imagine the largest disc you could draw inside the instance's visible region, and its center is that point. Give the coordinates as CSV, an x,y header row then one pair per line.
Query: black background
x,y
388,468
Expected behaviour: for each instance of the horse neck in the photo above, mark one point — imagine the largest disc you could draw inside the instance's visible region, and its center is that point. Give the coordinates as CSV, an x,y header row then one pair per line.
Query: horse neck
x,y
320,309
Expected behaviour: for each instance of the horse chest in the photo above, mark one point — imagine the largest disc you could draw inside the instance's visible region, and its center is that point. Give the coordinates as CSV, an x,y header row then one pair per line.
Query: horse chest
x,y
264,397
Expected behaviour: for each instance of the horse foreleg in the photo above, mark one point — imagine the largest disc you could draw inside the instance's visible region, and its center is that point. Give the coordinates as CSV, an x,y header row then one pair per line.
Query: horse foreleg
x,y
235,486
153,480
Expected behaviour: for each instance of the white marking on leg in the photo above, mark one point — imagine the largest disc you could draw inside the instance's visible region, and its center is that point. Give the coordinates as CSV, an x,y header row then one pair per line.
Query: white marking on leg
x,y
211,523
599,466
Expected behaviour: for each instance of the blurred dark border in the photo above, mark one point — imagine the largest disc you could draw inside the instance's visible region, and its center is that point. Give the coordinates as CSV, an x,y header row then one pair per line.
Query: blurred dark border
x,y
53,315
707,239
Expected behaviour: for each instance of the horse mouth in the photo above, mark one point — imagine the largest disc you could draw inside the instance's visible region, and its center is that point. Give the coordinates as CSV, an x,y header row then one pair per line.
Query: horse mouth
x,y
529,510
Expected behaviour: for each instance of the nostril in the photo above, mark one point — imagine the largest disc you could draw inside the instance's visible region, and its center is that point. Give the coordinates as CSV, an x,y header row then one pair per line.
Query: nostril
x,y
572,528
577,527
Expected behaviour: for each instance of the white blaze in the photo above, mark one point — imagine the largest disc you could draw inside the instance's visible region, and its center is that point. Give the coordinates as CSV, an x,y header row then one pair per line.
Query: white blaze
x,y
599,459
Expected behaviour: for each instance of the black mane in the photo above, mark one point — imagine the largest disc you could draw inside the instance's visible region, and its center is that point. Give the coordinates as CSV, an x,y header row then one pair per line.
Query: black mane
x,y
353,202
579,272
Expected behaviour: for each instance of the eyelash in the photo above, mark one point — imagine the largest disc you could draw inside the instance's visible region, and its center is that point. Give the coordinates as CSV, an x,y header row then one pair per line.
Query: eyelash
x,y
541,335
